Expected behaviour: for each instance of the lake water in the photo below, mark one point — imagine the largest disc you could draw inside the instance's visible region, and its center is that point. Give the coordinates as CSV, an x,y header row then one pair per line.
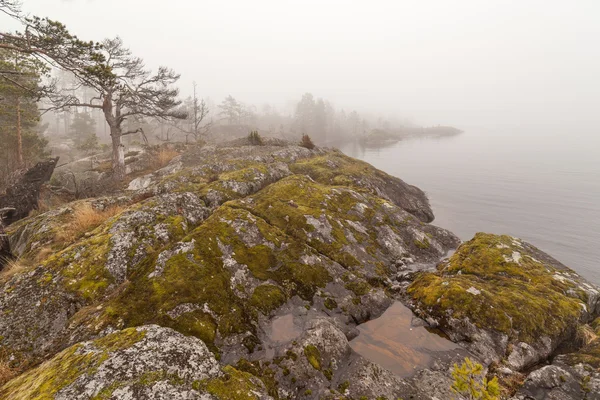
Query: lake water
x,y
543,187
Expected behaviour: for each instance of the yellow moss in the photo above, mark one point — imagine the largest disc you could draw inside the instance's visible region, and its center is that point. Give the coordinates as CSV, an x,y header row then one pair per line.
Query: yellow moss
x,y
313,356
197,324
120,340
267,298
234,385
521,299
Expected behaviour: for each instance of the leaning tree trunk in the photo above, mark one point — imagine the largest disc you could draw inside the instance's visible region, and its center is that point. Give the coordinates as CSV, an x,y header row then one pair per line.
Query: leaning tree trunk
x,y
118,154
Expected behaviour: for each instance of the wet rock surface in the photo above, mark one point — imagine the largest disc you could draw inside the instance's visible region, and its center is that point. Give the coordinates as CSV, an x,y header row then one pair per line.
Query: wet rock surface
x,y
243,271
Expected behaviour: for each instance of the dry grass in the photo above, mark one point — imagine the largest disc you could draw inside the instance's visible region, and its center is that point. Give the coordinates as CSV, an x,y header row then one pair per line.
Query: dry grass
x,y
104,166
586,335
12,268
43,253
164,156
85,218
42,207
6,373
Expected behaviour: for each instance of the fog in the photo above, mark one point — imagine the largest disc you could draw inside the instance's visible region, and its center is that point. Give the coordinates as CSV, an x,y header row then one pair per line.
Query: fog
x,y
461,63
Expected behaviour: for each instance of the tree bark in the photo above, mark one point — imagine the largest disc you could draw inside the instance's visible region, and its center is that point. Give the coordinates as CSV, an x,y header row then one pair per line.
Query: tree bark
x,y
118,154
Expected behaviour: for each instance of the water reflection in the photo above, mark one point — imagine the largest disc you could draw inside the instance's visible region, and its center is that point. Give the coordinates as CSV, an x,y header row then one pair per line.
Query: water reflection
x,y
394,343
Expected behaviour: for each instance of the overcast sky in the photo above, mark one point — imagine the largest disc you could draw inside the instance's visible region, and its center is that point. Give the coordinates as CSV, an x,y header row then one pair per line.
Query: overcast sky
x,y
438,62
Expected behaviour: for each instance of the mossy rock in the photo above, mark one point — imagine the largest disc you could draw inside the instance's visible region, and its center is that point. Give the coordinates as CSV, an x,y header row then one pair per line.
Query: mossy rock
x,y
235,385
361,232
136,363
199,273
502,284
337,169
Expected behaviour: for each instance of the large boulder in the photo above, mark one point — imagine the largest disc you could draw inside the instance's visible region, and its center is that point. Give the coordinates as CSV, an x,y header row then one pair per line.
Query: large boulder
x,y
148,362
505,300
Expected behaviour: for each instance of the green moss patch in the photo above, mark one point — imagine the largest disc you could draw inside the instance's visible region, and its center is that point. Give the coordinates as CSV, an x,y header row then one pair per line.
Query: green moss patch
x,y
267,298
497,285
313,356
234,385
347,171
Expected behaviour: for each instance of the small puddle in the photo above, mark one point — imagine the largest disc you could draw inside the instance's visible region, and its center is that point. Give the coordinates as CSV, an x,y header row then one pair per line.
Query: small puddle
x,y
392,342
283,329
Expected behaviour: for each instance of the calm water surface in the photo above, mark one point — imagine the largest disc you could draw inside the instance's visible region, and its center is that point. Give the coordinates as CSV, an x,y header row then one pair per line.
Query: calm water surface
x,y
543,187
394,343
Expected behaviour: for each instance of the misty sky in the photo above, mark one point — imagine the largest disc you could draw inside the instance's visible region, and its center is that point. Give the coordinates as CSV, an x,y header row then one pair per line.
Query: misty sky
x,y
494,63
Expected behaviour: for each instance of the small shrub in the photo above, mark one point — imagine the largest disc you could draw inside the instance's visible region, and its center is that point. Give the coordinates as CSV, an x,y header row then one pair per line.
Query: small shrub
x,y
255,139
104,166
6,371
470,382
307,142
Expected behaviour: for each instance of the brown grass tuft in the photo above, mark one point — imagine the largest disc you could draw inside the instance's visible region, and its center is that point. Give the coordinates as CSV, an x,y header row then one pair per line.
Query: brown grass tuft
x,y
12,268
586,335
85,218
6,373
43,253
164,156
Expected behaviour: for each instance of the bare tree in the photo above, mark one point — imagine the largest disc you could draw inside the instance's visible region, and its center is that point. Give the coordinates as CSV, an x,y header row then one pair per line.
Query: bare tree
x,y
199,129
195,124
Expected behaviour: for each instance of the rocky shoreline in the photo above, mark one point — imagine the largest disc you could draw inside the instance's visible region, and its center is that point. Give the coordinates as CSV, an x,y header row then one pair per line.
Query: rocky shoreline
x,y
174,293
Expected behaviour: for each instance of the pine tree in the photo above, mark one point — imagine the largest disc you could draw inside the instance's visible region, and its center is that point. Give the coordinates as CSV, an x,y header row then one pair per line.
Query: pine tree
x,y
20,132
